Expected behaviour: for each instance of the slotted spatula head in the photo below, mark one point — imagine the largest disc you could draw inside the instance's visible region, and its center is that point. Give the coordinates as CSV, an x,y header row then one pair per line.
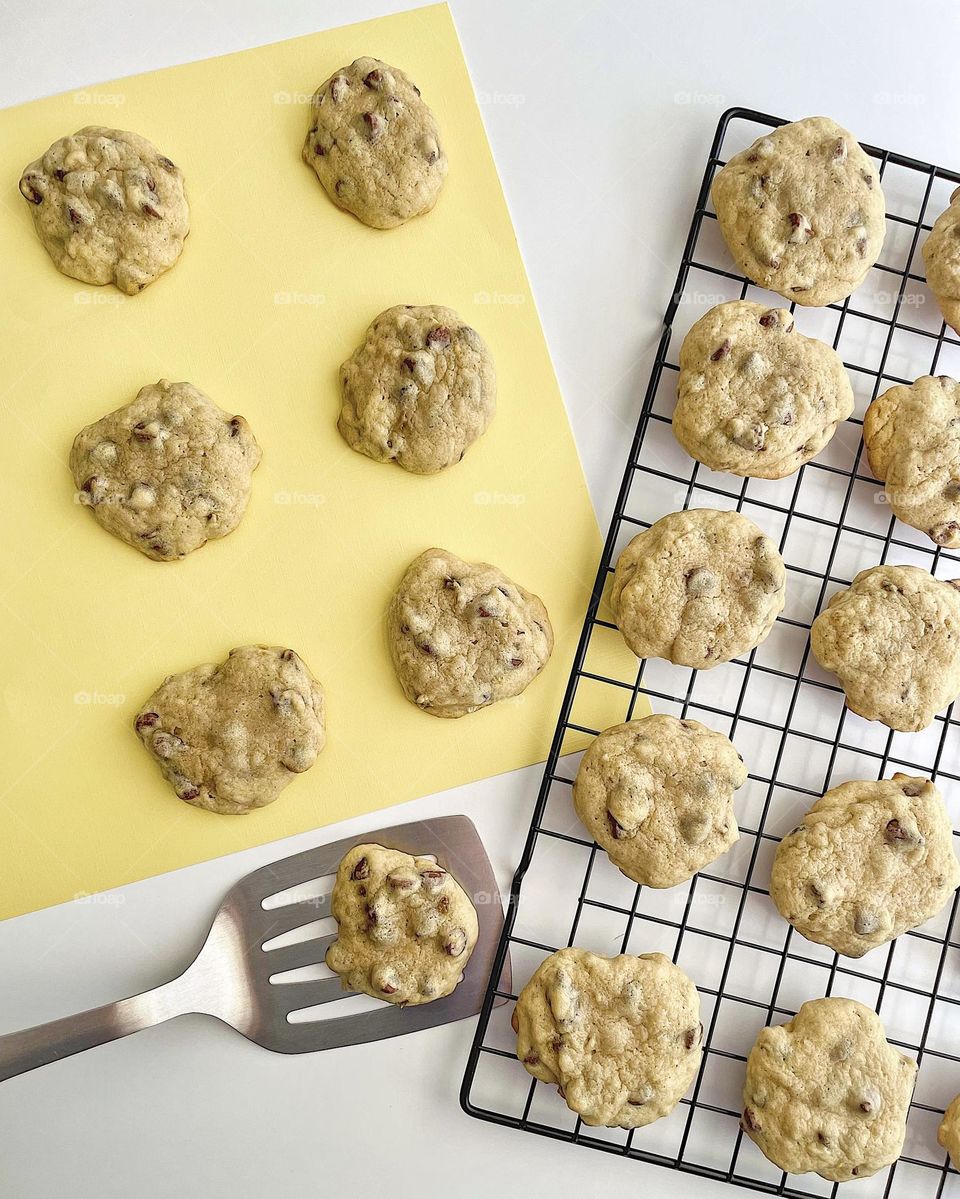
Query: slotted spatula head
x,y
234,953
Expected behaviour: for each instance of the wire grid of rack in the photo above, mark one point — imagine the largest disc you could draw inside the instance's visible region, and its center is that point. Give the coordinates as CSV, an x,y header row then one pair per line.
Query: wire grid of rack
x,y
788,720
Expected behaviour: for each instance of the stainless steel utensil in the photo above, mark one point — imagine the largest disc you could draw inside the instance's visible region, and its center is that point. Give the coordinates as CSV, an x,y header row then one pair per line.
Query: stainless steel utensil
x,y
233,975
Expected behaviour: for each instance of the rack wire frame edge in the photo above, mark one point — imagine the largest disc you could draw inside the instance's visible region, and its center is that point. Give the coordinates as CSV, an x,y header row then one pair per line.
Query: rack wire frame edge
x,y
787,1185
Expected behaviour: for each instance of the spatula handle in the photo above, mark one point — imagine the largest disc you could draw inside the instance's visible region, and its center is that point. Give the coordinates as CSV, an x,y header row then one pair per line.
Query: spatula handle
x,y
23,1051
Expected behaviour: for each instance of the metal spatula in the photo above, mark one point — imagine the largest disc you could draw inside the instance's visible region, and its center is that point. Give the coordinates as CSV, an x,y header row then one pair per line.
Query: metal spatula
x,y
230,978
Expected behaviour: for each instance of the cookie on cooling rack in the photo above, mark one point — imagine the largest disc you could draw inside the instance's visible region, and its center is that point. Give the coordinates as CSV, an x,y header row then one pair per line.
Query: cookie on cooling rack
x,y
657,795
463,636
802,211
698,588
869,861
949,1132
912,436
230,736
754,396
941,259
828,1093
375,145
893,639
405,926
108,207
419,391
621,1037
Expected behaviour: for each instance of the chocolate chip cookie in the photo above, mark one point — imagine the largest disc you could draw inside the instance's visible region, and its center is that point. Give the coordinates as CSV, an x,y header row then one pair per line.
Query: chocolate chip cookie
x,y
893,639
230,737
405,926
802,212
375,144
828,1093
941,258
755,397
419,391
167,472
462,635
108,207
657,795
621,1037
869,861
949,1132
912,436
698,588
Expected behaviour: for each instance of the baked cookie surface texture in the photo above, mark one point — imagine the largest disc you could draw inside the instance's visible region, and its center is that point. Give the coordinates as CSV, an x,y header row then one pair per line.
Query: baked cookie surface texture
x,y
828,1093
802,211
167,472
755,397
463,636
230,736
621,1037
657,795
419,391
405,926
108,207
375,144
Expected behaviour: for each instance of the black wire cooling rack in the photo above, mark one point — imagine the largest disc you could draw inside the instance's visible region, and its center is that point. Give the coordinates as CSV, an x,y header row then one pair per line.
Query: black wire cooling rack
x,y
788,721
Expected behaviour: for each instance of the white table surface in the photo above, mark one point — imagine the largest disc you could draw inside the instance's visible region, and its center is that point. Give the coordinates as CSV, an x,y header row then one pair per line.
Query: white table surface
x,y
592,106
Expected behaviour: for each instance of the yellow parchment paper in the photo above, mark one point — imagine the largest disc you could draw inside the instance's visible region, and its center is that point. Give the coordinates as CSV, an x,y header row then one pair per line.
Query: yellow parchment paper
x,y
274,289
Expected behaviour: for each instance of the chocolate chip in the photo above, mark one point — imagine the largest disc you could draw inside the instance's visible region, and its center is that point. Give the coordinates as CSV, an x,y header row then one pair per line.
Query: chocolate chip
x,y
146,720
944,533
615,829
516,663
166,163
438,338
693,1036
721,351
373,79
361,870
769,318
375,125
455,942
75,217
484,612
451,584
899,837
749,1121
93,488
30,192
702,583
146,430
